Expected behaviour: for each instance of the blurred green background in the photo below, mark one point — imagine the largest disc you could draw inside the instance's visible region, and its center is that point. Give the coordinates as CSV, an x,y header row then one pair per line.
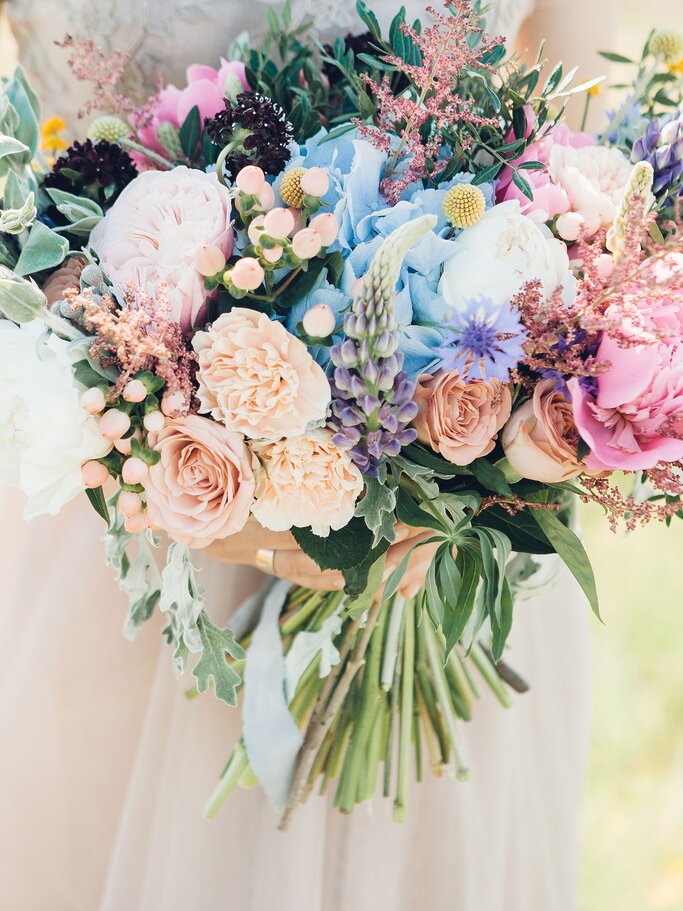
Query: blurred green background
x,y
632,815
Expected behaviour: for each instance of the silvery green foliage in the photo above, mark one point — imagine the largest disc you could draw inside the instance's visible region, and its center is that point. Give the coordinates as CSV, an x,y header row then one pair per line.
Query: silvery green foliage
x,y
14,221
191,629
20,300
182,598
81,213
132,558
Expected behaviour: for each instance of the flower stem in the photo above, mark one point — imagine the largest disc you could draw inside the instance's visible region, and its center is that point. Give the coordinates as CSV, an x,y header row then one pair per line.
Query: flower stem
x,y
148,153
406,725
234,770
490,675
434,655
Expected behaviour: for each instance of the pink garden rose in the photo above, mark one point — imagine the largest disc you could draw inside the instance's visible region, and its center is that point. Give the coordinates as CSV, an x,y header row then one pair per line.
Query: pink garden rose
x,y
460,419
636,418
206,89
540,439
155,232
202,488
306,480
258,378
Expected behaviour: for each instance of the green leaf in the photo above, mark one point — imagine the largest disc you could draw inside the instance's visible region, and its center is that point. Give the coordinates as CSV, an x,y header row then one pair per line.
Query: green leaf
x,y
301,285
189,131
411,513
148,456
524,534
522,185
340,549
491,478
11,148
43,250
377,508
212,665
362,599
487,174
14,195
500,627
459,612
28,130
569,547
553,80
615,58
21,301
98,502
369,19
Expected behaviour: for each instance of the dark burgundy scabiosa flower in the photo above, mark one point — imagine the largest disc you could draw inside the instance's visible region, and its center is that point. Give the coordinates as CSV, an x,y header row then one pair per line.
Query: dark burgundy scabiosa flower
x,y
99,171
257,132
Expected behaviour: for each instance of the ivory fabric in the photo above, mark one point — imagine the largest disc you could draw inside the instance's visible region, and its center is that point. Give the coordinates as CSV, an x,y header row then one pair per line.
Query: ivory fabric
x,y
105,765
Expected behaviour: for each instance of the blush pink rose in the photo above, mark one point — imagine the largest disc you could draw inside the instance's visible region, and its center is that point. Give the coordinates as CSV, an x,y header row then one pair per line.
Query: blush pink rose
x,y
540,439
155,232
459,419
202,488
258,378
206,89
632,415
306,480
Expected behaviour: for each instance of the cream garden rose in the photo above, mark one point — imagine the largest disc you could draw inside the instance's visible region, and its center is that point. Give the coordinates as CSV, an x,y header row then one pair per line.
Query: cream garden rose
x,y
306,480
258,378
460,419
540,439
155,232
45,434
202,488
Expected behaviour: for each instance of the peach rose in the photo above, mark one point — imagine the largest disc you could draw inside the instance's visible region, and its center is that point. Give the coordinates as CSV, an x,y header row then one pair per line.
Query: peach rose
x,y
460,419
203,486
155,231
306,480
258,378
540,439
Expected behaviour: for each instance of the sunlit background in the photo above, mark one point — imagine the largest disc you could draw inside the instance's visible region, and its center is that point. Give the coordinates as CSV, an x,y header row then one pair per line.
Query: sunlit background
x,y
632,845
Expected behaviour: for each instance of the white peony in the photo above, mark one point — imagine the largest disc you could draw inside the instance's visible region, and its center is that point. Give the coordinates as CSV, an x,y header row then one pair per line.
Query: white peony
x,y
498,255
594,178
45,435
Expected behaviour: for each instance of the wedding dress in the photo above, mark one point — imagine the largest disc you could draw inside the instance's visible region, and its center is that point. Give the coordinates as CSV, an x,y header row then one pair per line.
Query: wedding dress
x,y
105,765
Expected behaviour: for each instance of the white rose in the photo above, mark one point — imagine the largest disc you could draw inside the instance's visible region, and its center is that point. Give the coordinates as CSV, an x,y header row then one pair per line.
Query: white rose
x,y
45,435
594,178
497,256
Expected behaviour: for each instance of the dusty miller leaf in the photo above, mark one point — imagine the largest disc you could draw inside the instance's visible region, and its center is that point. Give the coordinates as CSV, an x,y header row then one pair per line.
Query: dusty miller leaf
x,y
377,508
216,643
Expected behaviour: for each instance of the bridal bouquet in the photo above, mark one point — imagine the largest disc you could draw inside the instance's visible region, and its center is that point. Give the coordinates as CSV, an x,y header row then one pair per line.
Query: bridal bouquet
x,y
336,288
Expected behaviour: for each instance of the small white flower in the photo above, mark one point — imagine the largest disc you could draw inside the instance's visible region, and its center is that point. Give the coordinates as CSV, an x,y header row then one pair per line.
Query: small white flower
x,y
45,434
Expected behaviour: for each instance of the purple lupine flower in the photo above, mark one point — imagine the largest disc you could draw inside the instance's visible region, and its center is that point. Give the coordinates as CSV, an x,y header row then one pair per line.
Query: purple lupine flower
x,y
484,341
662,146
372,396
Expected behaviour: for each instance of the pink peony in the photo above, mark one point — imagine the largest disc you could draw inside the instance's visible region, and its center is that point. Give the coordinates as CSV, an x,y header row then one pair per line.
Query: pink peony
x,y
635,419
540,439
206,89
460,419
202,488
258,378
550,197
155,232
306,480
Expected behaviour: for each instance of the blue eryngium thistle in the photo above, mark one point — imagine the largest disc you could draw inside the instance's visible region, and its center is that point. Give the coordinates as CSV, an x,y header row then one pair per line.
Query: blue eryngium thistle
x,y
372,396
484,341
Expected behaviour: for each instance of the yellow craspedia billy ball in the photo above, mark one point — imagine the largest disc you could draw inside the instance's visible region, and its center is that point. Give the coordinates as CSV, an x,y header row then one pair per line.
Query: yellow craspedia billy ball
x,y
668,46
290,188
109,128
464,205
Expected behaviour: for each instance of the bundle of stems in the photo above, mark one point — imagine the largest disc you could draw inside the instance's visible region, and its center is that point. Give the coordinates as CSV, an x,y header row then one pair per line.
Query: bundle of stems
x,y
390,706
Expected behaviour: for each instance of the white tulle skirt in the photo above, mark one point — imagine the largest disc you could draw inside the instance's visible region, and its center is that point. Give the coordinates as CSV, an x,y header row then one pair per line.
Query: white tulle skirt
x,y
105,766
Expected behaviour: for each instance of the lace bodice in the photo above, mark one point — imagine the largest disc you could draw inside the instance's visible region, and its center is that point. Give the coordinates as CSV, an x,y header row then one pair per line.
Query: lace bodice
x,y
165,36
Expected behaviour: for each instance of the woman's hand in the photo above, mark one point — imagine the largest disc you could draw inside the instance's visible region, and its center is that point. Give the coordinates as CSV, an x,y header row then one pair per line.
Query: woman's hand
x,y
292,564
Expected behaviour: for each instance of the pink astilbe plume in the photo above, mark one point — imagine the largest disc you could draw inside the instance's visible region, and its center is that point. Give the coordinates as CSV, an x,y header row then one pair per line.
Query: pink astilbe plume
x,y
419,123
102,70
137,337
